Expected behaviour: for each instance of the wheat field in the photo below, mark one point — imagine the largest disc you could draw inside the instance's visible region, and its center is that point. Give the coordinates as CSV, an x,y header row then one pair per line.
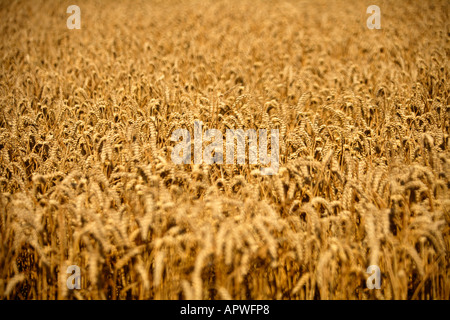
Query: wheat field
x,y
86,176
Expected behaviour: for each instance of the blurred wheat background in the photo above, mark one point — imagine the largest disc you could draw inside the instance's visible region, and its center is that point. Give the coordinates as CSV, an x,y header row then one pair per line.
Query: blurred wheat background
x,y
86,176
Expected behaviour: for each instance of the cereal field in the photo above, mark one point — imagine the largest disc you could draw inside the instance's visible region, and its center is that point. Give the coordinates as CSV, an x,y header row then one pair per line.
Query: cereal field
x,y
87,178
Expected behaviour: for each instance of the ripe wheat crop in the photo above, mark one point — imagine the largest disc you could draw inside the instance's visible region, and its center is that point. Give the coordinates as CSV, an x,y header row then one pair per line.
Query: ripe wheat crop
x,y
86,177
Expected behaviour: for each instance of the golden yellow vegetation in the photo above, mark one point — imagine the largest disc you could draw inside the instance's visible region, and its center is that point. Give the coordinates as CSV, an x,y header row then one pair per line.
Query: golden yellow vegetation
x,y
86,176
